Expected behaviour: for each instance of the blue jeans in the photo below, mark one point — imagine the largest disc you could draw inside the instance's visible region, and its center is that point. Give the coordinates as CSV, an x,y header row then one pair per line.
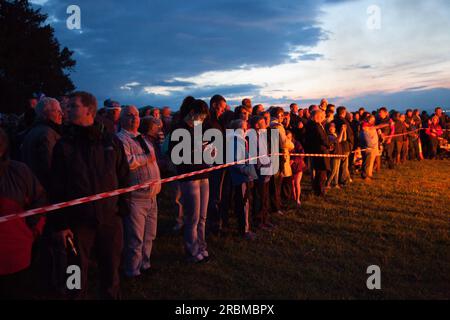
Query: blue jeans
x,y
215,194
242,194
139,231
194,197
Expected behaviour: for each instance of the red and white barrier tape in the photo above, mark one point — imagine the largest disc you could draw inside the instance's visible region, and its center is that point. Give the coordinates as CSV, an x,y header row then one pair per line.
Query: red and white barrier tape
x,y
118,192
403,134
313,155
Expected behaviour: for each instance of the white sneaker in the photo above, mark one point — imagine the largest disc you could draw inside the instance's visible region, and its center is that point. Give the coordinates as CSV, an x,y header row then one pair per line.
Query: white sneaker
x,y
196,259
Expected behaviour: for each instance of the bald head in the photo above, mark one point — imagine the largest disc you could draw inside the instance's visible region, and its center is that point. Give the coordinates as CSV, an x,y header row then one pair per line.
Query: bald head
x,y
129,119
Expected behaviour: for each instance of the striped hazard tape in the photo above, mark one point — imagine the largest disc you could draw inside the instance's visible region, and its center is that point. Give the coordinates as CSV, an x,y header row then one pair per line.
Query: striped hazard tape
x,y
118,192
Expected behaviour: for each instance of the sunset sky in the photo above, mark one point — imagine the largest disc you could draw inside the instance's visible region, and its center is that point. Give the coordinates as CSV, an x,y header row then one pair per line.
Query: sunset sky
x,y
275,52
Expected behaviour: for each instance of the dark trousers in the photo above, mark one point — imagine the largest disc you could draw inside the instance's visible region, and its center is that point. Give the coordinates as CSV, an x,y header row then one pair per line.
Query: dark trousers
x,y
106,242
225,199
401,149
53,263
319,182
275,191
261,202
286,188
433,147
389,152
351,161
215,192
242,201
425,144
414,149
405,151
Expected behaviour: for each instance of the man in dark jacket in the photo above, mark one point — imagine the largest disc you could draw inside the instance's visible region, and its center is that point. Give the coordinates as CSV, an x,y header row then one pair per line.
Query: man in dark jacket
x,y
295,118
387,129
37,148
318,143
87,161
413,138
401,141
216,178
347,143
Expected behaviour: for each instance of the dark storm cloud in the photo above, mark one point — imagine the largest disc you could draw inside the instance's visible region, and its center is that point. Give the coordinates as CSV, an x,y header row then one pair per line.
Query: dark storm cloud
x,y
204,92
151,42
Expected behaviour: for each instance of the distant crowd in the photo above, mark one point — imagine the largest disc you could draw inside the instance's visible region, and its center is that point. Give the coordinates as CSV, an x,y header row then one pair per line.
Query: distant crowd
x,y
68,148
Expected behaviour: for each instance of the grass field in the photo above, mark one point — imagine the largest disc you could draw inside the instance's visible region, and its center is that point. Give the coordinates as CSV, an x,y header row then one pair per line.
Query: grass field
x,y
400,222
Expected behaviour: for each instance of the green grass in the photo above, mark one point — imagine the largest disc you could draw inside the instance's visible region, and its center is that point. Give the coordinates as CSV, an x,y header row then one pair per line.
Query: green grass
x,y
399,221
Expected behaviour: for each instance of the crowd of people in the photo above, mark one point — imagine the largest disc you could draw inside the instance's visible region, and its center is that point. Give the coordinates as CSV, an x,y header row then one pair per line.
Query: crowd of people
x,y
65,149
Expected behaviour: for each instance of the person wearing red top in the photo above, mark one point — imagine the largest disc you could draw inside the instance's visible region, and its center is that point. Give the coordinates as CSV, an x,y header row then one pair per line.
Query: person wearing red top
x,y
20,190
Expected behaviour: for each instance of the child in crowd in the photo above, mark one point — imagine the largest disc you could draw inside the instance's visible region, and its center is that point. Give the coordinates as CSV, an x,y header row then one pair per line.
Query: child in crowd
x,y
298,166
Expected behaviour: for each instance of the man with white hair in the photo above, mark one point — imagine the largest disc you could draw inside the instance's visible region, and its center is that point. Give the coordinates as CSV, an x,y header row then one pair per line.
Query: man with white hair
x,y
37,147
140,225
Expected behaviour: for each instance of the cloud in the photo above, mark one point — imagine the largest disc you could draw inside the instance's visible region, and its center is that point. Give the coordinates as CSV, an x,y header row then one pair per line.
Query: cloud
x,y
233,93
39,2
130,86
358,66
272,50
163,91
150,41
416,88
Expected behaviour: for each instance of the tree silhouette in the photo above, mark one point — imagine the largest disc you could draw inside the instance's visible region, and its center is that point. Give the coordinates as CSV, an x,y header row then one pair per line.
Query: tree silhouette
x,y
30,57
